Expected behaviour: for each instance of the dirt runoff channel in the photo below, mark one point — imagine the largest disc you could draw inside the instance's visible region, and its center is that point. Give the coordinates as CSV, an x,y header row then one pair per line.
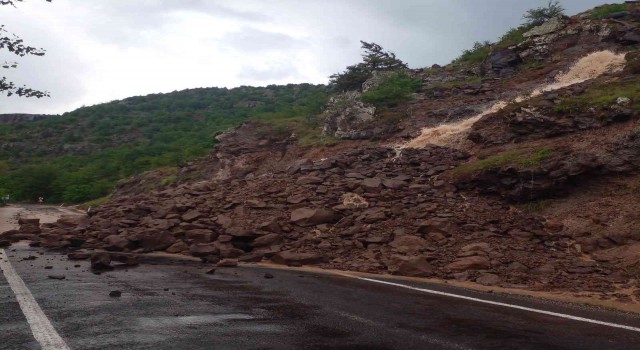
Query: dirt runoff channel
x,y
10,214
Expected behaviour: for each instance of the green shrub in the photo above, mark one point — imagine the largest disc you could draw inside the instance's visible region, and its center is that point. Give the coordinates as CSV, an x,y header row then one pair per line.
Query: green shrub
x,y
538,16
168,180
514,36
605,10
475,55
392,91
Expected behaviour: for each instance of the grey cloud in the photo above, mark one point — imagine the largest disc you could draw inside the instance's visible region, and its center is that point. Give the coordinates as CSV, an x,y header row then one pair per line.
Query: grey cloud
x,y
421,32
273,73
255,40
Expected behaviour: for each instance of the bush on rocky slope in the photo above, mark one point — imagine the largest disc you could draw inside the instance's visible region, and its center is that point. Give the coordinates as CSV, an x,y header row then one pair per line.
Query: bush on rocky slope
x,y
392,91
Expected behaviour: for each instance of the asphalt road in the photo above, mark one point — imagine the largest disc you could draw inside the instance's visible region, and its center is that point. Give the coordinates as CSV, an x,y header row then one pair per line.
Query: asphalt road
x,y
178,306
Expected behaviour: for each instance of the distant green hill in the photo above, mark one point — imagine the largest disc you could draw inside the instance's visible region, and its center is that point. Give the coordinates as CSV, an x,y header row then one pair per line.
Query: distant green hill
x,y
81,155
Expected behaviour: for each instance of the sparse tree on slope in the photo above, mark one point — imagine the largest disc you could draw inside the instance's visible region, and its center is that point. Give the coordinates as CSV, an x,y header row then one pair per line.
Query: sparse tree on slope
x,y
15,45
537,16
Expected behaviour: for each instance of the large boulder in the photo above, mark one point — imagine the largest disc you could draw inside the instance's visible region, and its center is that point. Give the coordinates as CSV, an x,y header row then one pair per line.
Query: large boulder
x,y
116,243
191,216
290,257
266,240
312,216
202,250
29,226
438,225
178,247
503,61
551,26
470,263
199,235
152,241
415,267
346,117
408,244
101,261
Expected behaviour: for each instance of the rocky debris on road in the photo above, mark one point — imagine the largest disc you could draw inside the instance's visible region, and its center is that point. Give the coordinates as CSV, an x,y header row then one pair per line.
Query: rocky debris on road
x,y
115,294
415,223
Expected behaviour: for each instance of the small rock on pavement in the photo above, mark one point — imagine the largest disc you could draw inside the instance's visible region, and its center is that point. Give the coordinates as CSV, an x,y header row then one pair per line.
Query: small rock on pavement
x,y
48,267
57,277
115,294
268,275
211,272
227,263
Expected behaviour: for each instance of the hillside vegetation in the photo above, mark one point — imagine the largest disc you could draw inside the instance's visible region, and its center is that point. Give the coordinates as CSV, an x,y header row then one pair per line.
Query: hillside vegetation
x,y
81,155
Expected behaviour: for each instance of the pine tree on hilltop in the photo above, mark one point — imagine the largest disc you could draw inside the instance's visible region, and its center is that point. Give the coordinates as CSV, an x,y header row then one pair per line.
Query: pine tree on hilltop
x,y
537,16
374,58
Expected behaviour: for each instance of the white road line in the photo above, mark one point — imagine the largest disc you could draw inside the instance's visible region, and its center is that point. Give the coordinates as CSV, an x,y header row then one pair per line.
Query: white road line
x,y
556,314
41,328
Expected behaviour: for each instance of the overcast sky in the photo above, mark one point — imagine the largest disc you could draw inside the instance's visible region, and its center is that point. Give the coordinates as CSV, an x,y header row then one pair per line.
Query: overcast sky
x,y
103,50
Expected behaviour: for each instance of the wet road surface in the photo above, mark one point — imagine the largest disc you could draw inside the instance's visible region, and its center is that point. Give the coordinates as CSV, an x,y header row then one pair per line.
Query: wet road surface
x,y
176,305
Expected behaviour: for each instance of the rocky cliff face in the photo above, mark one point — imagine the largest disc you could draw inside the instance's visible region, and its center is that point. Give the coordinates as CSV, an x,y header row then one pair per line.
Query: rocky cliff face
x,y
474,184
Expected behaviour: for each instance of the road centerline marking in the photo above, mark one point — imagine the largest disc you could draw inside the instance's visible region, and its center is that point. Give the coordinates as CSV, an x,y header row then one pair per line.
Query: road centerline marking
x,y
497,303
41,327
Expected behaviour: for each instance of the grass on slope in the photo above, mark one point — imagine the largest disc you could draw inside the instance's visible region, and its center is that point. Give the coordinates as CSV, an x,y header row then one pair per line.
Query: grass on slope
x,y
518,158
603,11
602,96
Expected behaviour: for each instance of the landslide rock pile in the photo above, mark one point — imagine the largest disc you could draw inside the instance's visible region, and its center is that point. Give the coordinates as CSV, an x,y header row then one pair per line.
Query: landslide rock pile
x,y
368,209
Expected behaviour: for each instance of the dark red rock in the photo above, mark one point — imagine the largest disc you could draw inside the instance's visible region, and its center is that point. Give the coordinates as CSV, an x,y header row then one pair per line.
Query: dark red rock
x,y
312,216
78,256
202,250
101,261
291,257
227,263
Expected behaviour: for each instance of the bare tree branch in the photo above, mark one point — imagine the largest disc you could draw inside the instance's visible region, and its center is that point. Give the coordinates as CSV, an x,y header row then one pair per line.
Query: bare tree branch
x,y
15,45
